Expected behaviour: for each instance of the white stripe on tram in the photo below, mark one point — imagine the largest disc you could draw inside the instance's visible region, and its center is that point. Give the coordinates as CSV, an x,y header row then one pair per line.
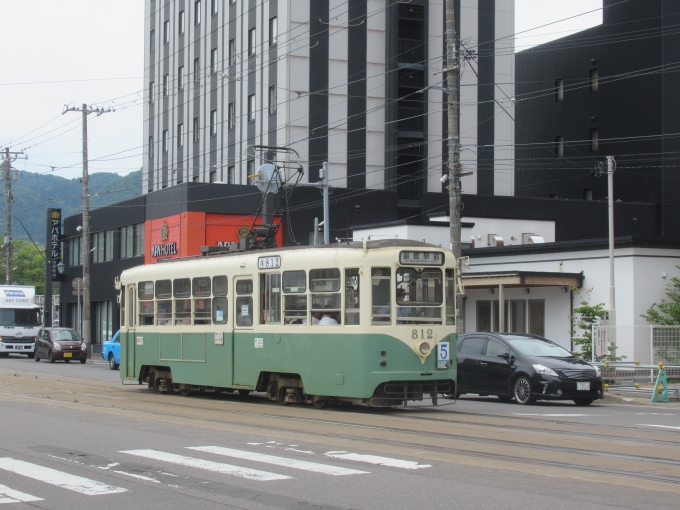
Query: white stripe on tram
x,y
279,461
380,461
58,478
216,467
8,495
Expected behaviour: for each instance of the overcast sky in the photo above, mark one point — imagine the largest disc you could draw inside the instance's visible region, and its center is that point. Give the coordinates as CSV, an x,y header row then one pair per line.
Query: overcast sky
x,y
57,52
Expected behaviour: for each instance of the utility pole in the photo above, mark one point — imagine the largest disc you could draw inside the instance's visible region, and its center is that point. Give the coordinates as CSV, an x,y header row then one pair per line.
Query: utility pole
x,y
611,166
453,109
87,329
7,173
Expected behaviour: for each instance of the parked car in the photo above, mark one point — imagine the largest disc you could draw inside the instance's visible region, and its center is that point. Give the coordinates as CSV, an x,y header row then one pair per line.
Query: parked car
x,y
111,351
524,367
59,344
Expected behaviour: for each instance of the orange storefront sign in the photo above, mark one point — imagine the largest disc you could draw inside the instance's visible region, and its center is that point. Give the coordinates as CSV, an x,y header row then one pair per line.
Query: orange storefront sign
x,y
182,235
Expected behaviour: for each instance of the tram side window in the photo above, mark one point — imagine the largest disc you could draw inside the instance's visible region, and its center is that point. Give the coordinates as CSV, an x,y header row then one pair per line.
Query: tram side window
x,y
146,313
145,290
450,297
270,298
163,302
419,296
244,303
352,303
201,286
326,300
181,291
181,288
219,284
381,306
122,307
294,300
202,311
219,310
131,307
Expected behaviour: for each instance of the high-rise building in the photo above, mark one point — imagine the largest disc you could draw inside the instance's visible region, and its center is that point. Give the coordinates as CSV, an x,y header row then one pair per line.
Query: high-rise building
x,y
349,82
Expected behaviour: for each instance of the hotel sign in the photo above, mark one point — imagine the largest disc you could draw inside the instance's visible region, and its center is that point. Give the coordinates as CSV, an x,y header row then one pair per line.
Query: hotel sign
x,y
164,250
54,246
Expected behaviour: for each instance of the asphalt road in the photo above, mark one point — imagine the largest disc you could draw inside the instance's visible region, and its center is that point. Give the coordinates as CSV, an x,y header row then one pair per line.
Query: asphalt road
x,y
72,436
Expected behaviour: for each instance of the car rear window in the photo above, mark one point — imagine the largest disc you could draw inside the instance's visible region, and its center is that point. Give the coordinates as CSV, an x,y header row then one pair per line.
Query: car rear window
x,y
473,345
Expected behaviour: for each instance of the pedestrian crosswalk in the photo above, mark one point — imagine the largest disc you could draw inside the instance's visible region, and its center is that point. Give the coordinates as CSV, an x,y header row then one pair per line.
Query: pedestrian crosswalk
x,y
204,459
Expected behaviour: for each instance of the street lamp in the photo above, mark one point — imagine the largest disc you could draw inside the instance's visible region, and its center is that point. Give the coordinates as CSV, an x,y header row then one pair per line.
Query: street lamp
x,y
60,267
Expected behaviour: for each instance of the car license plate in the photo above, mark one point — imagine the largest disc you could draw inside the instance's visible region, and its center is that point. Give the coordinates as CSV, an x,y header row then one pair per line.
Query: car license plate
x,y
70,354
583,386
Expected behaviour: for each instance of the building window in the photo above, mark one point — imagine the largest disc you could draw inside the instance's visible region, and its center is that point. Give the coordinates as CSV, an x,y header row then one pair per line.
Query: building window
x,y
554,195
559,146
213,122
152,42
588,194
197,70
594,80
594,142
180,77
213,7
104,314
102,246
272,100
74,252
197,130
166,83
250,170
273,31
151,147
232,52
230,175
537,317
181,23
213,174
165,141
197,12
180,135
251,107
252,42
166,32
232,115
559,90
132,241
152,91
213,60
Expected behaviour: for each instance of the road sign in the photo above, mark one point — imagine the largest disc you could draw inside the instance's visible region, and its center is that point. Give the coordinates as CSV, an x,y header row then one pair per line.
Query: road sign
x,y
77,283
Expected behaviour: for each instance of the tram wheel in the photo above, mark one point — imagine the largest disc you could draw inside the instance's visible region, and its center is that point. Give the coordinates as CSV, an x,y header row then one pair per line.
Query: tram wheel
x,y
244,393
281,396
185,392
321,404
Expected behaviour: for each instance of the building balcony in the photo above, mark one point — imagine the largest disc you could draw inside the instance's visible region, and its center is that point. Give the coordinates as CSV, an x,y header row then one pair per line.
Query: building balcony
x,y
411,119
410,186
411,50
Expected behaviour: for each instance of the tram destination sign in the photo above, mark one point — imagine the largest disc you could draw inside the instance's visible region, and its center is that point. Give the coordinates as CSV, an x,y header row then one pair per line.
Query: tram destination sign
x,y
269,262
421,258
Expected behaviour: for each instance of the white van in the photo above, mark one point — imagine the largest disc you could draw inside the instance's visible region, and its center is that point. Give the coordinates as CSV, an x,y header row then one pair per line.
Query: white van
x,y
20,320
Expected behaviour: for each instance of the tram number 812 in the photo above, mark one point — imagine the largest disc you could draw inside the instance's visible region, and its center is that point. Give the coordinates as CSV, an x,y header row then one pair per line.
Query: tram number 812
x,y
421,334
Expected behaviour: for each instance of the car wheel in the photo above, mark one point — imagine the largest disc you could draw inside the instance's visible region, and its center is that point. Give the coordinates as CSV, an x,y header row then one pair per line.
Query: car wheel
x,y
83,360
50,357
37,358
67,361
504,398
522,391
583,401
112,362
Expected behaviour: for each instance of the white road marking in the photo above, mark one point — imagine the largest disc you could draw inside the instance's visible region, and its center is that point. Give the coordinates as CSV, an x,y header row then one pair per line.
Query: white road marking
x,y
217,467
8,495
658,426
141,477
374,459
279,461
58,478
551,415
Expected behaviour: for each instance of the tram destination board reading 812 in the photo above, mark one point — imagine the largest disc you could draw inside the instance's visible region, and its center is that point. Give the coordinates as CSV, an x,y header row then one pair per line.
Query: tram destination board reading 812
x,y
357,322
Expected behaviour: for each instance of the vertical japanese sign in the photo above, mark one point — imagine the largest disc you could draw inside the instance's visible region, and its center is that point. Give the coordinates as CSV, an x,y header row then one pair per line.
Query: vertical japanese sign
x,y
54,222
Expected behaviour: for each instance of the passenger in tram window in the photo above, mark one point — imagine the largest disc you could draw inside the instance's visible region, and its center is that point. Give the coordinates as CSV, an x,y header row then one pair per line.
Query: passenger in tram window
x,y
402,311
327,319
316,315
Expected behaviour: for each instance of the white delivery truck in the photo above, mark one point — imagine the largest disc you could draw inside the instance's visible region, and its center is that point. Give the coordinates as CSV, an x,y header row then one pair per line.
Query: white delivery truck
x,y
20,320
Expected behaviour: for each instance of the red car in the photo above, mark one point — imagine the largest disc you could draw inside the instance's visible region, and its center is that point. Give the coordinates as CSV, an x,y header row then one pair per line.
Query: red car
x,y
59,344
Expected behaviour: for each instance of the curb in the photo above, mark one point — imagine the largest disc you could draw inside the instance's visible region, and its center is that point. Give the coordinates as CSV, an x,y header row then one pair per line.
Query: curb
x,y
610,398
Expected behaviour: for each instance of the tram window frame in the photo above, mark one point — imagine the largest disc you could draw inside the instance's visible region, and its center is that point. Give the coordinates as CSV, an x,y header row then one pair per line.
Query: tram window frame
x,y
378,315
325,275
244,287
270,298
289,289
164,318
201,286
202,311
161,292
218,301
122,306
244,321
352,296
131,303
295,309
145,291
328,308
418,311
220,282
146,312
181,293
182,317
450,297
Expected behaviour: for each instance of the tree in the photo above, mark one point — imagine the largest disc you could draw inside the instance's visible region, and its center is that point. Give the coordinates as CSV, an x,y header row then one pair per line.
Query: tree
x,y
587,316
29,264
666,313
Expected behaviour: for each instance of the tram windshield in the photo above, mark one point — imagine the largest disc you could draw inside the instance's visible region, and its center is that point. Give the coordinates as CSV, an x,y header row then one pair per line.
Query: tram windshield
x,y
419,295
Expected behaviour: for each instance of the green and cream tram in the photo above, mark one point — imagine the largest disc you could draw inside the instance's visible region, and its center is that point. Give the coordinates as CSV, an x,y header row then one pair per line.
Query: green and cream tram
x,y
371,322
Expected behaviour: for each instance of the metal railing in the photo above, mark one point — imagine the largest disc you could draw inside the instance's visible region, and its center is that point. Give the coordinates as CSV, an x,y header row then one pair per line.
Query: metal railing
x,y
413,188
410,119
411,50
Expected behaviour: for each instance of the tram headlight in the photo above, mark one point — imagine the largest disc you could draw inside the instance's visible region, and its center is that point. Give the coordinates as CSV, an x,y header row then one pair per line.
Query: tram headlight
x,y
424,348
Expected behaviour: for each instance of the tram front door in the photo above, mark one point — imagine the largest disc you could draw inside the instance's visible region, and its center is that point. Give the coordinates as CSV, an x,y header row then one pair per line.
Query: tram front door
x,y
130,318
244,336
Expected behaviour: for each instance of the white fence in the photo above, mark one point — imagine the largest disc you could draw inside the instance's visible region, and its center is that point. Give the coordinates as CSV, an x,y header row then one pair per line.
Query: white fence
x,y
646,345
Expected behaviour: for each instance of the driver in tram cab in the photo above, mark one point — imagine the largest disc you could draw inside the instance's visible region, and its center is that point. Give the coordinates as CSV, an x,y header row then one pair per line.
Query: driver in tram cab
x,y
401,310
327,319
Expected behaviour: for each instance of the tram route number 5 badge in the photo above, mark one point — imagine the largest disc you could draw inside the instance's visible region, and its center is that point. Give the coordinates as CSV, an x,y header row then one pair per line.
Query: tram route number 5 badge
x,y
443,355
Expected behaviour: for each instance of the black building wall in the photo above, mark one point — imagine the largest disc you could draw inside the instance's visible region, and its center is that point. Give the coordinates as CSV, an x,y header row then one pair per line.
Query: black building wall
x,y
637,104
